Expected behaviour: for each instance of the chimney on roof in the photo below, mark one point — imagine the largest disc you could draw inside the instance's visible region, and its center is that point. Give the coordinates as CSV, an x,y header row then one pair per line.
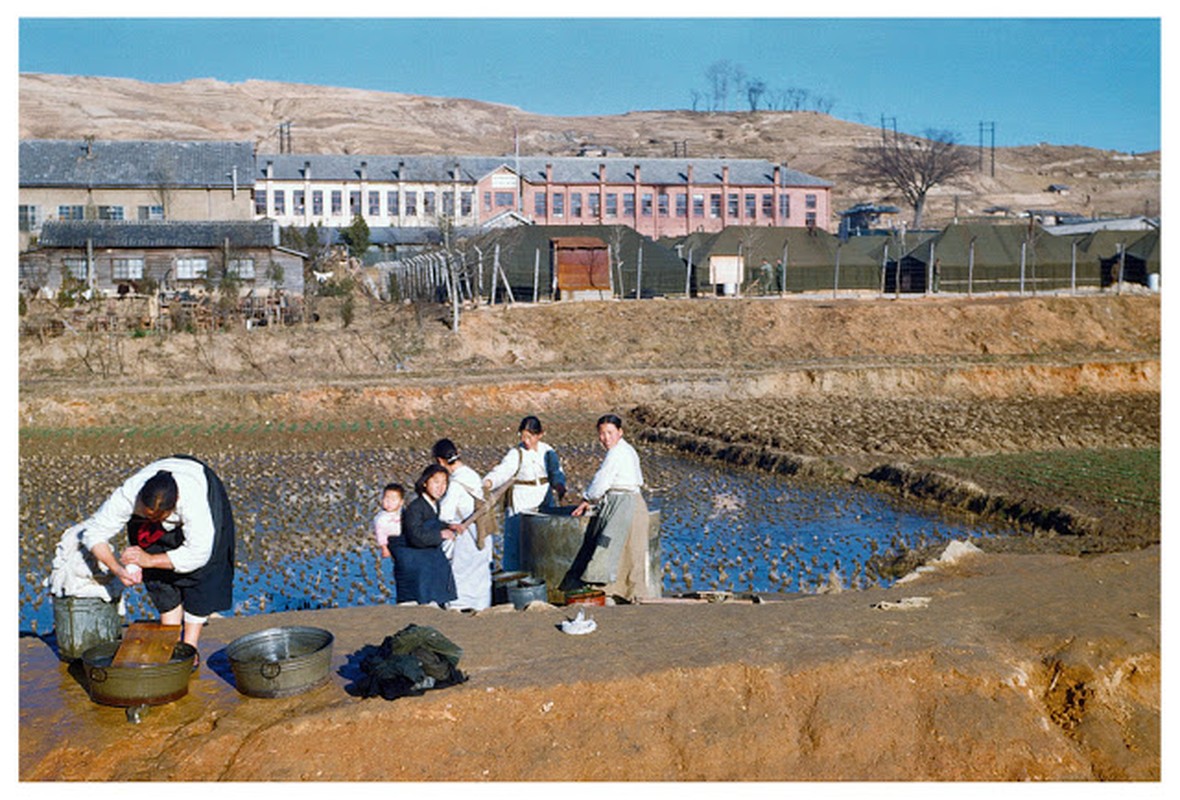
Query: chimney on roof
x,y
401,168
270,169
602,172
637,173
306,170
364,170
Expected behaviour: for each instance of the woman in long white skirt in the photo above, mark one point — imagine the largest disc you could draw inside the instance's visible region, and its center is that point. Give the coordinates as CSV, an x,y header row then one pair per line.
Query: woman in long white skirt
x,y
470,564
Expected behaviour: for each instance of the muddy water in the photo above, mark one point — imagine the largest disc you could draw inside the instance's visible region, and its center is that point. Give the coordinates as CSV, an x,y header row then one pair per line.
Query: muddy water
x,y
304,540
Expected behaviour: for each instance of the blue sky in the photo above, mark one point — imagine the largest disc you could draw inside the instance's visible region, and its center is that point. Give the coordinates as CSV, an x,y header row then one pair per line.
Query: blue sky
x,y
1093,82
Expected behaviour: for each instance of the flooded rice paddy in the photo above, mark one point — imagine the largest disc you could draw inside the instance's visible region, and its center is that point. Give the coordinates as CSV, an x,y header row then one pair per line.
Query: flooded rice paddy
x,y
304,541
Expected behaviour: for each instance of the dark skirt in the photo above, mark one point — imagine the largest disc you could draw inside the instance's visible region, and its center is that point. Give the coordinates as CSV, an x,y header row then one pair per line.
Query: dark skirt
x,y
423,575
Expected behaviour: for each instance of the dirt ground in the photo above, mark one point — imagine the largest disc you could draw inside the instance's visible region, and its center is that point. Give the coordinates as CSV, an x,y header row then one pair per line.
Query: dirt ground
x,y
997,668
1014,667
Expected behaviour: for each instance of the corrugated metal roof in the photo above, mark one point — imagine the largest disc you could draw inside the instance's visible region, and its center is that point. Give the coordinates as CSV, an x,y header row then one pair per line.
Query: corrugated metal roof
x,y
148,235
75,162
569,169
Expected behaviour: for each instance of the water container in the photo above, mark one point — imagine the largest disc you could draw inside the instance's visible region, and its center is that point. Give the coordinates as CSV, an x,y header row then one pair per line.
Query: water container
x,y
526,591
81,623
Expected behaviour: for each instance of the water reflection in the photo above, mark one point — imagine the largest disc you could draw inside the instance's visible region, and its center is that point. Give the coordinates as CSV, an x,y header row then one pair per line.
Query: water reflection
x,y
304,542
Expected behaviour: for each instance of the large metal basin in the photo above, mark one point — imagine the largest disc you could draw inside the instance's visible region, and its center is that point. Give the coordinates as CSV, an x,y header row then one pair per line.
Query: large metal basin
x,y
279,662
550,540
132,685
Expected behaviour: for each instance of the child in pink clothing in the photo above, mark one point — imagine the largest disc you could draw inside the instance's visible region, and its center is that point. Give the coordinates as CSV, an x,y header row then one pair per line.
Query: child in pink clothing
x,y
388,521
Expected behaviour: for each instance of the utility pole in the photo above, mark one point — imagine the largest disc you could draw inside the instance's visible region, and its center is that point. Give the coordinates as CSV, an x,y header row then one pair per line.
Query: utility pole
x,y
991,127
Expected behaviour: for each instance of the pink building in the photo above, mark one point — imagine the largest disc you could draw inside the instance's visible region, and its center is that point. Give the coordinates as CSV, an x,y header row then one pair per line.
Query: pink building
x,y
656,196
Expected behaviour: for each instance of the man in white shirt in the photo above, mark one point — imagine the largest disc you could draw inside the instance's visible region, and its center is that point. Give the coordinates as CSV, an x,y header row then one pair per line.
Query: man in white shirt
x,y
618,535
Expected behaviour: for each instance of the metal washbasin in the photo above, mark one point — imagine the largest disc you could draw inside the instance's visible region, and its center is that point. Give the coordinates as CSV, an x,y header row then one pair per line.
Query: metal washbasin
x,y
279,662
133,685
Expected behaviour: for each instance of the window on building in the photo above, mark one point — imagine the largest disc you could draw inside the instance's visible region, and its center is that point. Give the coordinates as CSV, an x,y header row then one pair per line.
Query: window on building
x,y
809,219
71,212
612,204
317,203
243,268
150,213
809,200
559,204
751,206
191,269
298,202
784,206
681,205
594,200
110,212
629,204
715,205
280,203
466,201
260,202
126,269
28,218
540,202
698,205
337,203
411,204
645,204
505,199
448,204
663,204
391,204
487,201
75,268
576,205
354,203
768,205
374,204
733,203
428,205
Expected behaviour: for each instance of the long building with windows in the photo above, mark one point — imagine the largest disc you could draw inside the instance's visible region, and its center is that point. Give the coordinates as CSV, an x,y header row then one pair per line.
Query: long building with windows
x,y
64,180
655,196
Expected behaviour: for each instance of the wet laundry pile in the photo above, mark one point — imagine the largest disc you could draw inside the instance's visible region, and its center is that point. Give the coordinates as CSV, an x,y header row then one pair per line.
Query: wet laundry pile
x,y
409,662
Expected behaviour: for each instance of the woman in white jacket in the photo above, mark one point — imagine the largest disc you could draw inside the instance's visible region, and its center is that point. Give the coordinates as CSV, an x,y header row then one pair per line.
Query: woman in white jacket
x,y
470,564
537,477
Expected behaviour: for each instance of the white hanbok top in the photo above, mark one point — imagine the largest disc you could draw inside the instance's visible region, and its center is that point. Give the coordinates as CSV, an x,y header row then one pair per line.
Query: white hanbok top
x,y
619,472
192,511
529,469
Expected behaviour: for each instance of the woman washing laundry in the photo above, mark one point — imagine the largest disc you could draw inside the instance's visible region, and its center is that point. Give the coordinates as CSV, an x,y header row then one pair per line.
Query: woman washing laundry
x,y
470,564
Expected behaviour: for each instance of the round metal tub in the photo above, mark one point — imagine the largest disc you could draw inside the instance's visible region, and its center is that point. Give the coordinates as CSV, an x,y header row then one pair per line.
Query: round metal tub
x,y
279,662
133,685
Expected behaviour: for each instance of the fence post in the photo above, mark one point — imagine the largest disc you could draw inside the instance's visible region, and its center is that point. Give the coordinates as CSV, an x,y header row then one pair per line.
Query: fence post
x,y
836,281
1023,251
639,273
536,272
783,279
688,276
970,265
1073,267
884,267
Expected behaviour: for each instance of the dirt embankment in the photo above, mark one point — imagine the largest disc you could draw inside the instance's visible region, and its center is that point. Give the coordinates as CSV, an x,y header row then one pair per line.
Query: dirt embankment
x,y
406,362
998,668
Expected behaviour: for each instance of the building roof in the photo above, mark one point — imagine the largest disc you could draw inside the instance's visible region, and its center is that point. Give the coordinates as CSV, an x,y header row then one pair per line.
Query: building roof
x,y
567,169
77,162
149,235
994,245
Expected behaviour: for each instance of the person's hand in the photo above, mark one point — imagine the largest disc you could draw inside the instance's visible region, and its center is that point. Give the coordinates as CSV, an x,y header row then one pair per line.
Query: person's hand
x,y
581,509
130,574
134,555
385,551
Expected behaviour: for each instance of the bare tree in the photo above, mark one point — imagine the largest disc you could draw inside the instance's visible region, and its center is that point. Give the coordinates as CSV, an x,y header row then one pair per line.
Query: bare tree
x,y
755,89
914,165
719,74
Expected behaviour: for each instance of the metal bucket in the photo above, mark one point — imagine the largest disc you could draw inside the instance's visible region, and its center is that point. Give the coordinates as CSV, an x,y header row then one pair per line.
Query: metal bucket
x,y
550,540
131,685
279,662
502,582
526,591
80,623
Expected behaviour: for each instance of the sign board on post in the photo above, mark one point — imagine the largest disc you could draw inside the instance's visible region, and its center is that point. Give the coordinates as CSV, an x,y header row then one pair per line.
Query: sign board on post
x,y
726,270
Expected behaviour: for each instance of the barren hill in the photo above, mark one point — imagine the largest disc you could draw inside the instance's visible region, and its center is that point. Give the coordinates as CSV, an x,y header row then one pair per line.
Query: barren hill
x,y
328,119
